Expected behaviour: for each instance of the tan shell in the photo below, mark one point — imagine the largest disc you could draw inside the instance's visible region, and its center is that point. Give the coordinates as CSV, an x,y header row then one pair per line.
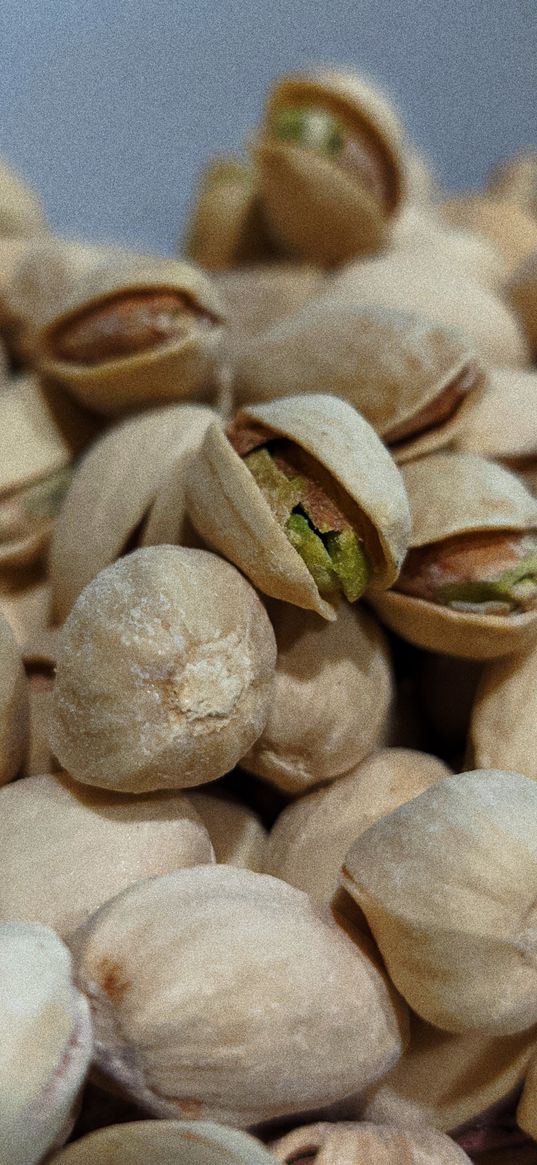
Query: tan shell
x,y
342,813
164,373
226,226
36,438
521,292
313,209
39,757
444,1080
503,731
502,422
509,227
118,840
389,365
448,884
229,510
14,712
256,298
455,493
348,1143
25,600
166,1143
236,832
331,698
46,1043
526,1113
20,209
229,994
164,673
419,284
114,490
516,181
421,231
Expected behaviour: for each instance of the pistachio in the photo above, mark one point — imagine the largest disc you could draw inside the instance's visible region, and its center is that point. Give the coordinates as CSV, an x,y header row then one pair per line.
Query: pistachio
x,y
25,600
20,210
27,517
422,232
229,993
503,726
256,298
226,227
447,883
46,1042
13,705
238,836
347,1143
526,1110
164,673
166,1143
515,181
501,422
521,293
511,229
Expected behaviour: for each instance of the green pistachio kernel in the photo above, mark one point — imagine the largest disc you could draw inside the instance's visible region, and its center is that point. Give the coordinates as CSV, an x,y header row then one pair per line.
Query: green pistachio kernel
x,y
282,493
313,127
349,562
313,553
515,588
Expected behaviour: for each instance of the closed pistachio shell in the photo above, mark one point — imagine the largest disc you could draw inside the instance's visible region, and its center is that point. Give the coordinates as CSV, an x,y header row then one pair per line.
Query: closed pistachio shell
x,y
331,698
237,834
46,1042
226,994
421,231
314,207
447,883
118,840
502,422
503,730
229,510
348,1143
341,813
444,1080
516,181
134,333
13,705
521,293
454,494
20,209
418,284
226,228
113,491
166,1143
510,228
256,298
393,367
164,674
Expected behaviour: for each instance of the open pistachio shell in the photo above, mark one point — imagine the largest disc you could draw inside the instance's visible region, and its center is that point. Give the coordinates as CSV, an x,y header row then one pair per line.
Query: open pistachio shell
x,y
521,292
46,1042
503,730
229,510
118,840
314,207
394,368
510,228
502,422
516,181
349,1143
341,813
448,883
330,702
166,1142
14,711
226,228
35,441
161,358
256,298
226,994
20,209
113,491
418,284
237,834
421,231
444,1080
454,494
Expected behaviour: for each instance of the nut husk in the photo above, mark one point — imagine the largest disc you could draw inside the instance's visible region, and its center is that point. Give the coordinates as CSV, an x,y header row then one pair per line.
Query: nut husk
x,y
229,995
14,711
447,883
237,834
226,227
349,1143
166,1143
510,228
503,730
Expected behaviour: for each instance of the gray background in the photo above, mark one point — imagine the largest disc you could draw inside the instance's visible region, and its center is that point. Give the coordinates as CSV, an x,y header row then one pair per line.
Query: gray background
x,y
110,107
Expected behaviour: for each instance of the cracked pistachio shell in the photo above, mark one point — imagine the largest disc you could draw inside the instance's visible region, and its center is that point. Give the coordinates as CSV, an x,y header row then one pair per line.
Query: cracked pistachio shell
x,y
521,293
228,509
21,212
512,230
114,491
448,883
516,181
421,230
331,698
445,1080
503,729
226,227
353,1143
237,834
418,284
166,1142
118,840
46,1042
164,673
389,365
256,298
459,493
225,994
341,813
502,422
313,207
14,711
179,367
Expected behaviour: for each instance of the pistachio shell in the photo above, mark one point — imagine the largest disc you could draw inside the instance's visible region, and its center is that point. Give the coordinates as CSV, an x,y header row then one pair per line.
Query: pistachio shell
x,y
226,226
34,441
164,372
20,210
421,230
447,884
418,284
331,698
521,292
340,814
118,840
502,422
445,1080
347,1143
256,298
46,1042
39,757
312,207
509,227
25,600
236,832
166,1143
503,731
13,705
229,994
516,181
113,491
526,1113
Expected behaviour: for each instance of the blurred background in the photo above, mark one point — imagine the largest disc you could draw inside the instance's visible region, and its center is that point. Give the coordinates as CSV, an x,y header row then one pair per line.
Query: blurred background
x,y
111,109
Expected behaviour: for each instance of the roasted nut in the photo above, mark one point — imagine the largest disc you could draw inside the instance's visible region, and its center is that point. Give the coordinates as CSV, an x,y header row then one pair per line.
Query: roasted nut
x,y
421,231
347,1143
511,229
166,1143
503,731
256,298
25,600
164,673
236,832
20,209
516,181
502,422
222,993
13,705
226,228
521,293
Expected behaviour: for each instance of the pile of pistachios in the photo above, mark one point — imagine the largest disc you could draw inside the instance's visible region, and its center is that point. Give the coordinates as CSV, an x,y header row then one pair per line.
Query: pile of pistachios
x,y
268,664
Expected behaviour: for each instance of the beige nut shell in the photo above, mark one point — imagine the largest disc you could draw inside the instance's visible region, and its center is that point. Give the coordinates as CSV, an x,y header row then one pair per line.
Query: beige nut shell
x,y
349,1143
238,835
521,294
421,231
226,227
229,510
512,229
14,706
257,297
502,422
166,1143
503,729
20,210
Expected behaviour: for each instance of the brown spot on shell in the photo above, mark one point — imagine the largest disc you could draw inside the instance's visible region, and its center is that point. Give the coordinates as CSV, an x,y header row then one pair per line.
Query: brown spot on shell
x,y
112,980
190,1108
